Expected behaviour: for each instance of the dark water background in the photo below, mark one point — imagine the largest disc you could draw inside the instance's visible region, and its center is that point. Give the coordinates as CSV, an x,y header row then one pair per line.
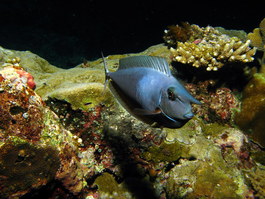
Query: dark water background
x,y
67,32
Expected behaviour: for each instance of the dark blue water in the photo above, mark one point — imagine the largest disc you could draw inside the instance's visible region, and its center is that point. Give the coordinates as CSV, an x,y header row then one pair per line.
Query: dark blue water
x,y
65,33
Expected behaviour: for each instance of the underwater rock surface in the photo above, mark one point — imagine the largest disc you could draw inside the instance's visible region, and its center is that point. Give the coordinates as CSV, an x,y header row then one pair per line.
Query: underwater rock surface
x,y
63,136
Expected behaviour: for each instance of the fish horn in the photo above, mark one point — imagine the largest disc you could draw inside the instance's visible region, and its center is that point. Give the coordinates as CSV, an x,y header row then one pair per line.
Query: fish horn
x,y
195,101
190,98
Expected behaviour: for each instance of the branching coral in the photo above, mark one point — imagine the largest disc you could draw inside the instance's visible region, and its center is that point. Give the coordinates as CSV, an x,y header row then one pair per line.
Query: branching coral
x,y
207,47
219,105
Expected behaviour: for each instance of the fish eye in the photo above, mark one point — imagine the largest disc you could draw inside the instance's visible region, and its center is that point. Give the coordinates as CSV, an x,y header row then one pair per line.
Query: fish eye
x,y
170,94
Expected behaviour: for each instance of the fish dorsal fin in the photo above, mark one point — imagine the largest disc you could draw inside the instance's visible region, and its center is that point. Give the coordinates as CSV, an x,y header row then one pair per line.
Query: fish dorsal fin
x,y
157,63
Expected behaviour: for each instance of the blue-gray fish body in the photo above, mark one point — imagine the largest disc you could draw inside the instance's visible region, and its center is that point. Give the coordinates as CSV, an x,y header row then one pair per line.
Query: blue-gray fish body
x,y
145,86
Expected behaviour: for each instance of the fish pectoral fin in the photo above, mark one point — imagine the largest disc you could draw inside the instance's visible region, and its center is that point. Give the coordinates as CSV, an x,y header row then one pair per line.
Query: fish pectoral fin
x,y
139,111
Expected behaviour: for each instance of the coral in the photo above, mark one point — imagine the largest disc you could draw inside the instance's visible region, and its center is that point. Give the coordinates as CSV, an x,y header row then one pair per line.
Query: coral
x,y
219,105
241,34
209,48
32,141
83,147
20,110
84,153
177,33
25,76
71,172
83,86
251,116
187,135
209,168
235,139
257,37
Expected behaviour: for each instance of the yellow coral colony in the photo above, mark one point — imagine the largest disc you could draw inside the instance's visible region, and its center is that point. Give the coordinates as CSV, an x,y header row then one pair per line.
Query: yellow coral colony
x,y
207,47
257,38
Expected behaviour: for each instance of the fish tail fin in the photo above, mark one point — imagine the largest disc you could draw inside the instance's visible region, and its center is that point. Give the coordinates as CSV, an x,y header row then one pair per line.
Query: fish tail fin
x,y
106,72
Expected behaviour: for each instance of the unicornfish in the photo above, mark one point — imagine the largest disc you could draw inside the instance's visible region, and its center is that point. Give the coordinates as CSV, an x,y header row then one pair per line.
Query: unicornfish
x,y
146,88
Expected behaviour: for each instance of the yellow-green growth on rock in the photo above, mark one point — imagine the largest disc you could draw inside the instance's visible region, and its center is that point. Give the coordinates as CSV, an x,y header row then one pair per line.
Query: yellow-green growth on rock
x,y
252,113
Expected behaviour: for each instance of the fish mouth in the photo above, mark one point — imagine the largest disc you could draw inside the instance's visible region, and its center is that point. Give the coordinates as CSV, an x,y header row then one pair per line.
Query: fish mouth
x,y
188,116
169,122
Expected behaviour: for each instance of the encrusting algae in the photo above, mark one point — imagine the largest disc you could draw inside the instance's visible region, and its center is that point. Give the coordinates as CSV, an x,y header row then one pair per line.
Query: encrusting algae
x,y
206,47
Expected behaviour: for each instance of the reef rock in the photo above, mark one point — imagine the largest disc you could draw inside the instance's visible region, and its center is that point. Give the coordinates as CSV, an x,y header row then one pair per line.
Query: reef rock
x,y
32,141
71,132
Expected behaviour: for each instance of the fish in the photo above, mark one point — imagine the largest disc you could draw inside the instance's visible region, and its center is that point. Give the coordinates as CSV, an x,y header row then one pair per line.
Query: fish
x,y
146,88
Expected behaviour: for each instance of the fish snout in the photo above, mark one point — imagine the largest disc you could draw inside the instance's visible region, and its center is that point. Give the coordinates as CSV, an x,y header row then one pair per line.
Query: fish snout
x,y
188,115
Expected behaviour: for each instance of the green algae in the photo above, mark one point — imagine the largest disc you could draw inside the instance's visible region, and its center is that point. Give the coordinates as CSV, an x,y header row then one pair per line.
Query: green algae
x,y
165,152
212,182
109,188
213,129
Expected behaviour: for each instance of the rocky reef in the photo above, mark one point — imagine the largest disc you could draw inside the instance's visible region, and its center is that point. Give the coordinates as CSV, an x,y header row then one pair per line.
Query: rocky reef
x,y
63,135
